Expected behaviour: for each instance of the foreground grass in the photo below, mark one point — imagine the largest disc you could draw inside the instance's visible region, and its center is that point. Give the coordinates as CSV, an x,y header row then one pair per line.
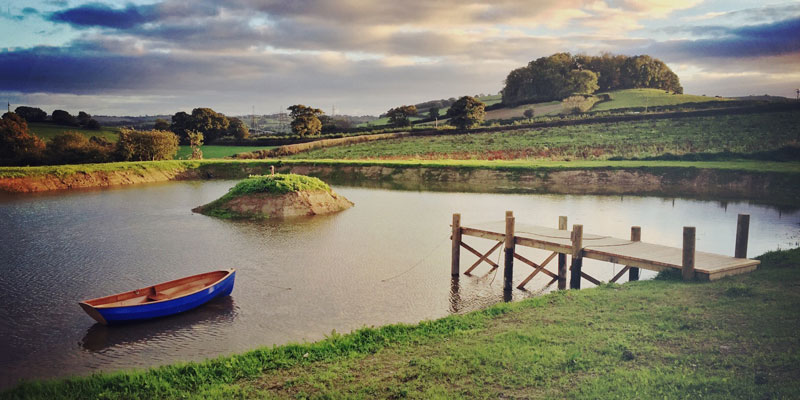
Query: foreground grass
x,y
47,131
631,98
181,165
740,133
734,338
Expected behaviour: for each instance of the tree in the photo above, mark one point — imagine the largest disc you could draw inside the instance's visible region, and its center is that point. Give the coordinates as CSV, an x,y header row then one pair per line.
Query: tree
x,y
195,141
467,112
212,124
92,124
305,120
62,117
151,145
83,118
399,116
74,148
17,145
238,129
162,124
433,112
529,113
31,114
582,82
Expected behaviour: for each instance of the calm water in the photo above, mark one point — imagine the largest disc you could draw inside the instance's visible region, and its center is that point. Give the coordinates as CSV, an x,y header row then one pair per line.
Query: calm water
x,y
296,280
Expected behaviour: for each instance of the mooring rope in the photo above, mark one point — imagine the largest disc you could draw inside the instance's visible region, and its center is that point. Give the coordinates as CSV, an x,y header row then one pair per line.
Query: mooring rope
x,y
417,264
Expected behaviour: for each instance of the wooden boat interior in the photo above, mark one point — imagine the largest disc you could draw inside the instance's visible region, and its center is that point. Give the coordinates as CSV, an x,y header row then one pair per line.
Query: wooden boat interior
x,y
160,292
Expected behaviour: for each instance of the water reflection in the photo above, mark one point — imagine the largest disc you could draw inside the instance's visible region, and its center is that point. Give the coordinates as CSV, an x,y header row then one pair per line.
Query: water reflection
x,y
214,314
455,295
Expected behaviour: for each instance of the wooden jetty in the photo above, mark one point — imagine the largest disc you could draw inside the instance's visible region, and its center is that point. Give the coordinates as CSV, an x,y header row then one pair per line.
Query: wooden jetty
x,y
633,253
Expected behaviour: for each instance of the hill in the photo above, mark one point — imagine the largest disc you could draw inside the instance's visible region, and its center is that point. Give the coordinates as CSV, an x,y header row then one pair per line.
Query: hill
x,y
630,98
47,131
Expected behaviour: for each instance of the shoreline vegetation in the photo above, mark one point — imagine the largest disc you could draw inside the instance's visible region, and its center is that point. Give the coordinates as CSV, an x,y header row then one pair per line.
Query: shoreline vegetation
x,y
774,183
661,338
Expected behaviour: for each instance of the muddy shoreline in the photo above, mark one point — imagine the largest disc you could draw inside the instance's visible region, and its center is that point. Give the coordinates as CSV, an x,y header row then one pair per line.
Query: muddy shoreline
x,y
763,187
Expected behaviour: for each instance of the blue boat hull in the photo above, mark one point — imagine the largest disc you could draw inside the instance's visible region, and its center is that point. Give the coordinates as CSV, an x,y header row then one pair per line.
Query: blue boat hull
x,y
139,312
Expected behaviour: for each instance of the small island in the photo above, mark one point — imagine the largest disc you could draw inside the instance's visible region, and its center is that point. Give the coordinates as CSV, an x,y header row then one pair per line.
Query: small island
x,y
276,196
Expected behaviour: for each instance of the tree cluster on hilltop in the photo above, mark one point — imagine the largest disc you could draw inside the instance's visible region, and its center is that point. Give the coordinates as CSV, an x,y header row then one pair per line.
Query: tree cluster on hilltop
x,y
59,117
561,75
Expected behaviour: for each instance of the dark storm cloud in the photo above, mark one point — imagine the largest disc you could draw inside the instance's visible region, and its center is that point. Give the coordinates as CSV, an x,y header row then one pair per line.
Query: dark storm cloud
x,y
101,15
782,37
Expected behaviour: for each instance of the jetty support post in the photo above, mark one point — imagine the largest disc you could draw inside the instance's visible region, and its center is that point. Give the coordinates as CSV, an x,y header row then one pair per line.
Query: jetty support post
x,y
688,253
636,236
508,271
577,256
455,263
562,258
742,234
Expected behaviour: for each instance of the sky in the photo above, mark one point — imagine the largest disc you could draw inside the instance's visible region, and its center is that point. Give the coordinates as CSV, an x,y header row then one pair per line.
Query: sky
x,y
111,57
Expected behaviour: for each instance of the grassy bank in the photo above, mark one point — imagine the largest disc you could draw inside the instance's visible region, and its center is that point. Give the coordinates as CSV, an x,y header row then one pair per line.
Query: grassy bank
x,y
180,165
733,338
738,133
648,98
215,151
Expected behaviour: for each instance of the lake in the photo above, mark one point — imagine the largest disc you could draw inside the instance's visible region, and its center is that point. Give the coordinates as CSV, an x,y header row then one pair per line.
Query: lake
x,y
386,260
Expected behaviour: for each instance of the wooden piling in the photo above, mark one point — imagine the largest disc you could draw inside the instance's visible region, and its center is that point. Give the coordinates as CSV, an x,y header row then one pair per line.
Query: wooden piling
x,y
742,233
562,258
688,253
577,257
455,263
508,271
636,236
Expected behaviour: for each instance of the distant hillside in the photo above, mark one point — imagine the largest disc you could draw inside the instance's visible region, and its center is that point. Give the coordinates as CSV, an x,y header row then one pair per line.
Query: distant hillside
x,y
630,98
47,131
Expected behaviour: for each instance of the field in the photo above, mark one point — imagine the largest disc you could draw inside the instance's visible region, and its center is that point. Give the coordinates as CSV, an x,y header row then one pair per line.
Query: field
x,y
740,133
48,131
539,109
663,338
212,151
647,98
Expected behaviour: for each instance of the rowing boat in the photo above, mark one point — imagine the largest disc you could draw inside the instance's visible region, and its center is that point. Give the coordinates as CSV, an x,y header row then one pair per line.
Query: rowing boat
x,y
162,299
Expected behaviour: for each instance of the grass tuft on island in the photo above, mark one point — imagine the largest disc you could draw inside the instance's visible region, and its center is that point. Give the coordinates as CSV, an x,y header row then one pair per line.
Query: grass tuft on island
x,y
663,338
278,184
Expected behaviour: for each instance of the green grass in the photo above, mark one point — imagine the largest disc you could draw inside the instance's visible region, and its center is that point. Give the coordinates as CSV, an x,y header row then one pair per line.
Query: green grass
x,y
277,184
733,338
737,133
212,151
630,98
48,131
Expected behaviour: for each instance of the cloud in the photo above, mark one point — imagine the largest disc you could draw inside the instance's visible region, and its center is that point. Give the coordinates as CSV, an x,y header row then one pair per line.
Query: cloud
x,y
101,15
772,39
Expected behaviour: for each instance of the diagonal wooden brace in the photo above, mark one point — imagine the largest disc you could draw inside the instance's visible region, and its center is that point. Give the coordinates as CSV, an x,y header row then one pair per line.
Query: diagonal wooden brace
x,y
483,258
538,268
590,279
619,275
479,255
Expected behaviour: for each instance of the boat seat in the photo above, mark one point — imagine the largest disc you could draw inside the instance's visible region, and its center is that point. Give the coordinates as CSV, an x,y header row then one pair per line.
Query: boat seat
x,y
157,297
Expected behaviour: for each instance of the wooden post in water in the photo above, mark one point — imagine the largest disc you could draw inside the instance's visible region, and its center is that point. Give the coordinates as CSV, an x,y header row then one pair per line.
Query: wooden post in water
x,y
455,263
688,253
577,258
742,233
508,271
636,236
562,258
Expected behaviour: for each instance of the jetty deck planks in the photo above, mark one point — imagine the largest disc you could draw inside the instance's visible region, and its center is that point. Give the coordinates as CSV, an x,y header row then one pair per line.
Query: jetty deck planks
x,y
652,256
